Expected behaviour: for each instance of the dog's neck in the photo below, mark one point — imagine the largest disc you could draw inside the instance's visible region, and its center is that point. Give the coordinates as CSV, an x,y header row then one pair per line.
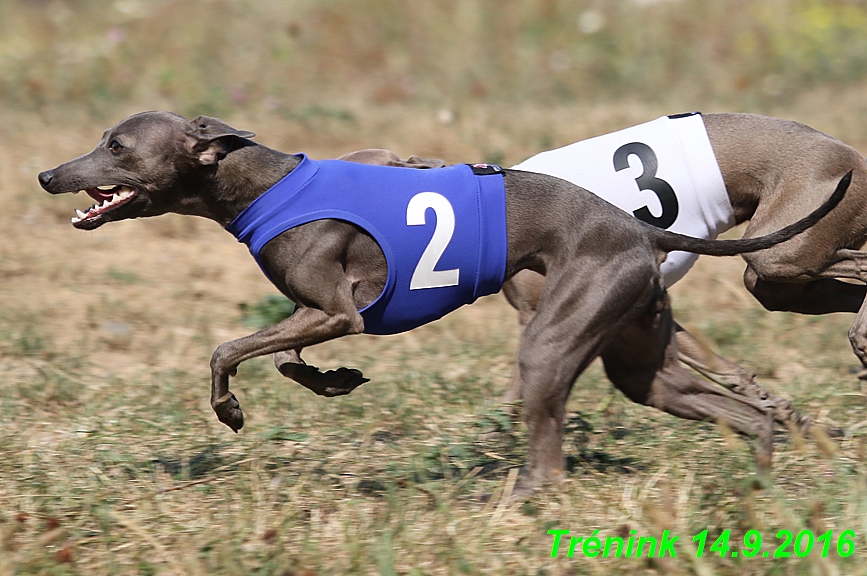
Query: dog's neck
x,y
242,176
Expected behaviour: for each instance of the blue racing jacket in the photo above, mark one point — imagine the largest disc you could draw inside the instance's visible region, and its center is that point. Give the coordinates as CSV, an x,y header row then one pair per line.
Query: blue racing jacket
x,y
443,231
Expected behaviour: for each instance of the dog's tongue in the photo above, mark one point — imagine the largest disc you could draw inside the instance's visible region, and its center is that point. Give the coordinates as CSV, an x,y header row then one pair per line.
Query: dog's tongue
x,y
98,194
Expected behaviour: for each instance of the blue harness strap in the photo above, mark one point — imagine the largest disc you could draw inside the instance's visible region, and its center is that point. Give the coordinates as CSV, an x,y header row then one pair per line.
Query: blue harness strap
x,y
442,231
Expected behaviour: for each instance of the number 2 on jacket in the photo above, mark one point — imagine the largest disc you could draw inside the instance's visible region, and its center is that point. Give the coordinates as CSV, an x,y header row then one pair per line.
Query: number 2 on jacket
x,y
424,275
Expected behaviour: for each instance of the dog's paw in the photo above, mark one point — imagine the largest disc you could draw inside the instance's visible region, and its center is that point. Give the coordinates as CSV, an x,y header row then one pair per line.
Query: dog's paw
x,y
525,488
229,412
342,381
332,383
785,414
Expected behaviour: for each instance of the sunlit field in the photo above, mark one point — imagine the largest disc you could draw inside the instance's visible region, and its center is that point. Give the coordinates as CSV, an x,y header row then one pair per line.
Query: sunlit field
x,y
111,460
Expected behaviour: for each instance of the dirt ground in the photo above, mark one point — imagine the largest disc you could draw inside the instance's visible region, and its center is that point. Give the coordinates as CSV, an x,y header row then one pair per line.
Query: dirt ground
x,y
113,462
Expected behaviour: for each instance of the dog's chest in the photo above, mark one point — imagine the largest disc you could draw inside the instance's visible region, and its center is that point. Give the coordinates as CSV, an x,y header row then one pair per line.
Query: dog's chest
x,y
442,232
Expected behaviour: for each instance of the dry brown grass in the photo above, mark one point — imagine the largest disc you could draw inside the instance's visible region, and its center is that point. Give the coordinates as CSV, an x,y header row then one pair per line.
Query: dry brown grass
x,y
111,461
105,345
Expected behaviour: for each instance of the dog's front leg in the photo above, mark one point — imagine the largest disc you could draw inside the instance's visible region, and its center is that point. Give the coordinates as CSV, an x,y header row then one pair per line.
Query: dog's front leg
x,y
306,327
332,383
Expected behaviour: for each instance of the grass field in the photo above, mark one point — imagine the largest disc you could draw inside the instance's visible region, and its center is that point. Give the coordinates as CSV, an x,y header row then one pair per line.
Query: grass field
x,y
111,461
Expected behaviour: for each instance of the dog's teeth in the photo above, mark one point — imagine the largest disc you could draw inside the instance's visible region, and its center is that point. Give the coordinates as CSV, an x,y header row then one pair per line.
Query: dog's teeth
x,y
105,204
105,187
115,197
81,215
125,193
76,220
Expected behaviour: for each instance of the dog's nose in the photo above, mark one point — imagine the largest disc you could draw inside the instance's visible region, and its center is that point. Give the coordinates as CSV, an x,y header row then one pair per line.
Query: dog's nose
x,y
45,178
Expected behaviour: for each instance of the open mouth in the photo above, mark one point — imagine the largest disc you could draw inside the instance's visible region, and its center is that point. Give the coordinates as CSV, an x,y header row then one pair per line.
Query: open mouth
x,y
107,197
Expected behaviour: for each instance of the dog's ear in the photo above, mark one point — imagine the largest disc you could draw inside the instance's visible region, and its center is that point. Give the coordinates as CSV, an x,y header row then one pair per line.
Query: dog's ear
x,y
208,140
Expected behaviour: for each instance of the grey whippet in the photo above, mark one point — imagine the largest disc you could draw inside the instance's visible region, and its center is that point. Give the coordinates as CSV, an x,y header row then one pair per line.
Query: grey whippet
x,y
602,294
774,171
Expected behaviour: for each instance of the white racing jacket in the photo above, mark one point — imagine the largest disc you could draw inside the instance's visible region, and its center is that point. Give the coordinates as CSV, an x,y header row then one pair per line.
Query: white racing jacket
x,y
663,172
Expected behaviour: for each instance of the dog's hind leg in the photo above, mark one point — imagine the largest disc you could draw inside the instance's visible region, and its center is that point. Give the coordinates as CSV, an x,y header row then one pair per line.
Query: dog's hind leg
x,y
714,367
522,292
332,383
642,363
821,296
576,317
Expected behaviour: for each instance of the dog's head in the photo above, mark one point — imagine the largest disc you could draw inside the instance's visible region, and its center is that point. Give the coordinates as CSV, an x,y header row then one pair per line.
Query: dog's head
x,y
145,165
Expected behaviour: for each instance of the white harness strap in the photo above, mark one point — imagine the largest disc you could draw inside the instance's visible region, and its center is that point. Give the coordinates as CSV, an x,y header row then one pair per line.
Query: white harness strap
x,y
663,172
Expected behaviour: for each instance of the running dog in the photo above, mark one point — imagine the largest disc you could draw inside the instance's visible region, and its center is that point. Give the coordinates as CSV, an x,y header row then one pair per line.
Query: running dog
x,y
381,250
702,175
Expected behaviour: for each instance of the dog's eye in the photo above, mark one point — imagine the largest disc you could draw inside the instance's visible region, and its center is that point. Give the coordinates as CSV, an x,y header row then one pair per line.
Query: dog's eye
x,y
115,147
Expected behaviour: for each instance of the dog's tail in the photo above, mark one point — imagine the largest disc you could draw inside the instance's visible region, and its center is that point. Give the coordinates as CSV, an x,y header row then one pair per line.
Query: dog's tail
x,y
668,241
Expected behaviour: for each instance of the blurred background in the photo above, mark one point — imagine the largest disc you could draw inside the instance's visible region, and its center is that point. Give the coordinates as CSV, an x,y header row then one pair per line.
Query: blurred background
x,y
296,57
111,461
326,61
